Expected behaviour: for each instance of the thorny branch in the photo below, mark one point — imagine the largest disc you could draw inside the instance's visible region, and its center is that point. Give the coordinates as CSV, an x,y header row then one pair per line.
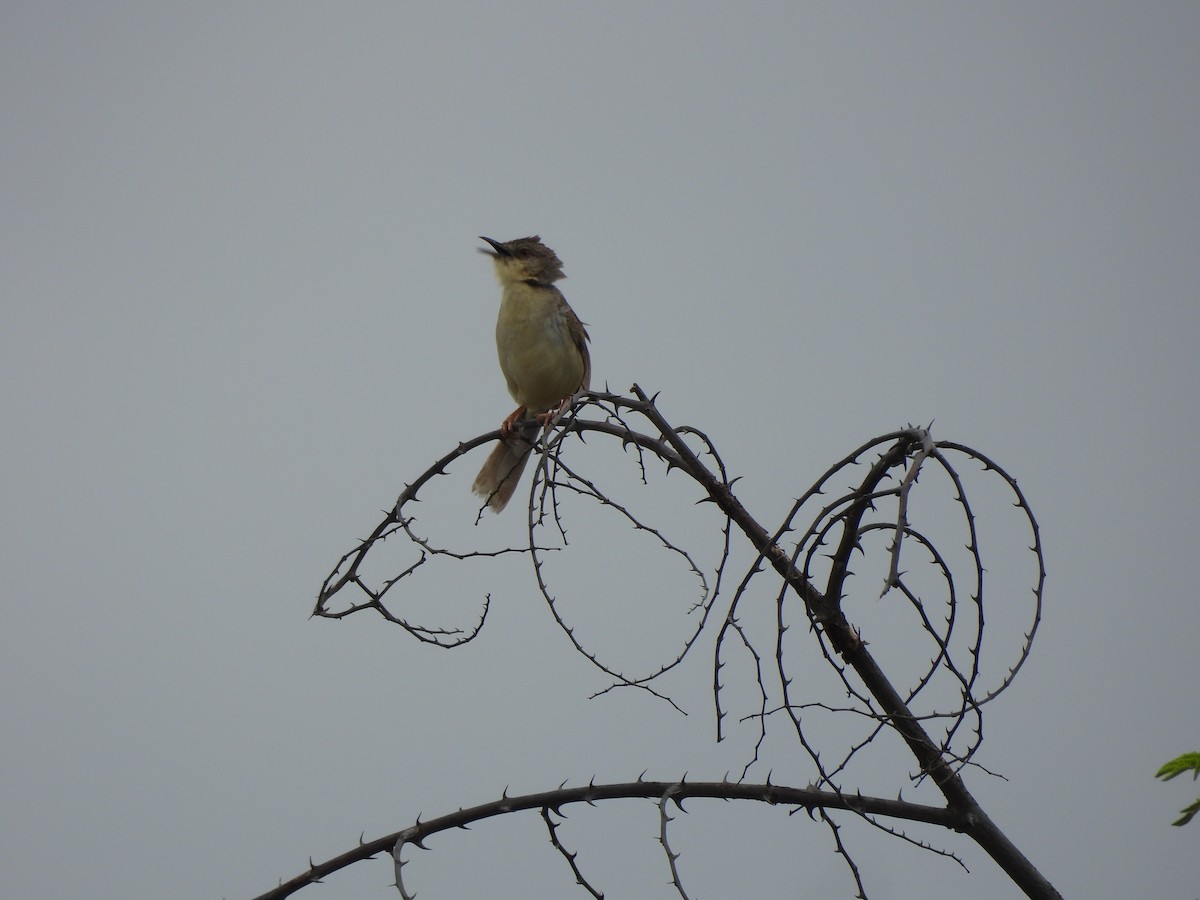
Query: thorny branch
x,y
552,828
829,529
415,835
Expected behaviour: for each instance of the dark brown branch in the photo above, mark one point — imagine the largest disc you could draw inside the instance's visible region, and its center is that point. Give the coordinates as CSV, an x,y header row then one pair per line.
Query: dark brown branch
x,y
825,609
776,795
838,530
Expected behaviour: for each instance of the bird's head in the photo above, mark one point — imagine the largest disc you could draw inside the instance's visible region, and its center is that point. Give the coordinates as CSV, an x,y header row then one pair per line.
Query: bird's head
x,y
524,259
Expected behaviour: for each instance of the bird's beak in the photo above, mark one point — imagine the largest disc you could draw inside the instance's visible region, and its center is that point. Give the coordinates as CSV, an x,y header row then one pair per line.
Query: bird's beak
x,y
498,249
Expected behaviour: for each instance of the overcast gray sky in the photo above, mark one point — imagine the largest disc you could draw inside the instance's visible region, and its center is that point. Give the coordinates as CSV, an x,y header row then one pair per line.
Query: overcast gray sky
x,y
243,306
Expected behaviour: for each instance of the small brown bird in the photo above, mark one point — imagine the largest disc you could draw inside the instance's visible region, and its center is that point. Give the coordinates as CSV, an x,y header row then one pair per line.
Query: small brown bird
x,y
543,353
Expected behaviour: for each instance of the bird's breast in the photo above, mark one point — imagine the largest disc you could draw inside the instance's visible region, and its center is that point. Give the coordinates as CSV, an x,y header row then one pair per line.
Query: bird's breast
x,y
538,355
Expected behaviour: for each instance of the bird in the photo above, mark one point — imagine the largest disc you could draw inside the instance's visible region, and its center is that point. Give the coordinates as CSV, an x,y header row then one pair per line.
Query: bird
x,y
543,350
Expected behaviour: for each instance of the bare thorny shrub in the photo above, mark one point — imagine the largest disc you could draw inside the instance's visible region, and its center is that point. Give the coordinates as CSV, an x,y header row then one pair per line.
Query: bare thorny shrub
x,y
856,515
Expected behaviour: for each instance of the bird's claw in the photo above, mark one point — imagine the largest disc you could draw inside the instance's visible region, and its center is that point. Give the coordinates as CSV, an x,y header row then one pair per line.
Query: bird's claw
x,y
508,427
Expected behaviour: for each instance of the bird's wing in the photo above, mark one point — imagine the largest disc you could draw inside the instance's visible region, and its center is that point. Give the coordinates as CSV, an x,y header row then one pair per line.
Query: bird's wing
x,y
580,338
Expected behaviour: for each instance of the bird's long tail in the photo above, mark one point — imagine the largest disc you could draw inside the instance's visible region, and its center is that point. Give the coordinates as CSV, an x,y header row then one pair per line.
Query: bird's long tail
x,y
498,478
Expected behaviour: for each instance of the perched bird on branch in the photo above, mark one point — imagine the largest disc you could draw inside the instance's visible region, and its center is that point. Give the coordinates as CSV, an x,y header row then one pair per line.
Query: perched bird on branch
x,y
543,353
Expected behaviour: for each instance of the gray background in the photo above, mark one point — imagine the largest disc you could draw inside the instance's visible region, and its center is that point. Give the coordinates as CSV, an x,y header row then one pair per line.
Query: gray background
x,y
242,306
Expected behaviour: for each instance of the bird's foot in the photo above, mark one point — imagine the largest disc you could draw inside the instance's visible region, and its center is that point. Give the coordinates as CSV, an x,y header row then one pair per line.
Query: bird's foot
x,y
508,427
547,418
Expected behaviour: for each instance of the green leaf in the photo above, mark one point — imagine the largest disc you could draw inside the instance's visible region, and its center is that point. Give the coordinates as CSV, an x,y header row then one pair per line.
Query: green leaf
x,y
1189,762
1188,812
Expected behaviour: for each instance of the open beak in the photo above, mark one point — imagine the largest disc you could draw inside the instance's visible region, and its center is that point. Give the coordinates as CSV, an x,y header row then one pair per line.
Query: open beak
x,y
497,248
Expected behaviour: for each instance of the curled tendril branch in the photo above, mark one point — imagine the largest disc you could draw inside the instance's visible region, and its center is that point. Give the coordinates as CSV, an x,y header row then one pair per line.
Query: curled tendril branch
x,y
874,495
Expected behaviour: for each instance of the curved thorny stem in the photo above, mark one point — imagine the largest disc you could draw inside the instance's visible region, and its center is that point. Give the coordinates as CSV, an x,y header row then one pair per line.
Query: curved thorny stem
x,y
897,505
400,843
